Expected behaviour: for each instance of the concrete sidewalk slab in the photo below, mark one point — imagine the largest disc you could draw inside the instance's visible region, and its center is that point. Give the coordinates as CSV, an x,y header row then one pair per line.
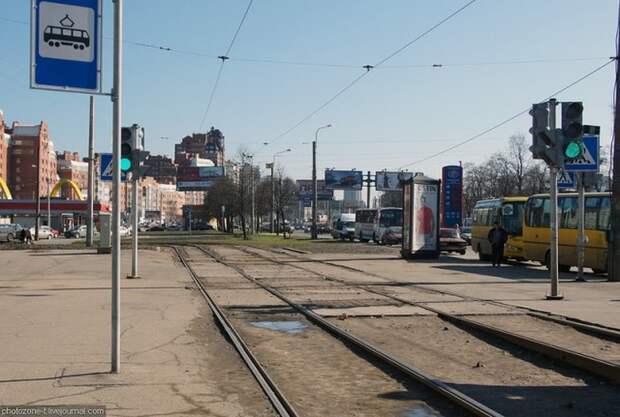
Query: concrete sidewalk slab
x,y
596,301
55,327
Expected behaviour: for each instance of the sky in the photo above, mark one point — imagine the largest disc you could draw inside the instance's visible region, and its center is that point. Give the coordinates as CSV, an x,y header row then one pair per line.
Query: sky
x,y
397,115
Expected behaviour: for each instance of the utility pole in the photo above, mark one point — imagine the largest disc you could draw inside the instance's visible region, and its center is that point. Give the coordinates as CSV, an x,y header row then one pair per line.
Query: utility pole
x,y
91,172
315,199
581,243
553,197
368,181
116,184
135,214
614,245
38,193
49,212
253,192
272,198
314,234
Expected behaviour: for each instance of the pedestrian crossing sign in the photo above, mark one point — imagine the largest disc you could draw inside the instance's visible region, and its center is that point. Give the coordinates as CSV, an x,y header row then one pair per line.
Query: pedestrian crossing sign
x,y
589,160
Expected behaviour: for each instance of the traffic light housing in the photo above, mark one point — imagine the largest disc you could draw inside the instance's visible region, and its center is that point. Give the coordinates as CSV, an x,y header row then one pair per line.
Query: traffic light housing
x,y
545,144
126,149
132,145
572,130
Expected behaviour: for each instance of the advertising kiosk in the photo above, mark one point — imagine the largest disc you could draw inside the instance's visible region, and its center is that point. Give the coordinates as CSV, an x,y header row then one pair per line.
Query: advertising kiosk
x,y
421,196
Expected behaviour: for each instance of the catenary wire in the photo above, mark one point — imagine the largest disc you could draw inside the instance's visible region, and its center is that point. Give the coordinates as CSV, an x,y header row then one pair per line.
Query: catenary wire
x,y
438,64
364,74
221,68
508,120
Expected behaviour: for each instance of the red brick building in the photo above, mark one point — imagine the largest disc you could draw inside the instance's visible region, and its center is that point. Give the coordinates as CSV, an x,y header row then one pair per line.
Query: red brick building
x,y
4,148
208,145
71,167
31,156
161,168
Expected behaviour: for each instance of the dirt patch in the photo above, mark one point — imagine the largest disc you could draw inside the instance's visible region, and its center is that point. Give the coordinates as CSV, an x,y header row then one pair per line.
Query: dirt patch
x,y
222,361
507,379
556,334
323,377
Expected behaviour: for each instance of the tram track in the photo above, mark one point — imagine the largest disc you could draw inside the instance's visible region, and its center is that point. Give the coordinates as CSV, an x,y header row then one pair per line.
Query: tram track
x,y
603,368
453,395
316,292
595,329
271,390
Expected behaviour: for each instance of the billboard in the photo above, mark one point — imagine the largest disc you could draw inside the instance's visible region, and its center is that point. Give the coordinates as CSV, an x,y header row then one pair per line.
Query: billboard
x,y
343,180
425,217
305,190
452,195
198,178
390,181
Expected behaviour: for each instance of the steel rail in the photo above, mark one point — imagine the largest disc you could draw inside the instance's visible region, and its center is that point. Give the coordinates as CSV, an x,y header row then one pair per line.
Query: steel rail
x,y
275,395
598,330
609,333
606,369
460,399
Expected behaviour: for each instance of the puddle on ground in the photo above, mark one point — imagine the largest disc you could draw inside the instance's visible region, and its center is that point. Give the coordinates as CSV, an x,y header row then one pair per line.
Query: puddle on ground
x,y
291,327
421,411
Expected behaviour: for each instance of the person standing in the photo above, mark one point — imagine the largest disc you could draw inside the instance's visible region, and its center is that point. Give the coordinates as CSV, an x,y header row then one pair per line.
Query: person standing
x,y
497,238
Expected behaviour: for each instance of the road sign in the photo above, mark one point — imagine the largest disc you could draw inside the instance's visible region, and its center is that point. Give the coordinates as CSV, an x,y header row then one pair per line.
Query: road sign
x,y
566,179
105,168
65,45
590,159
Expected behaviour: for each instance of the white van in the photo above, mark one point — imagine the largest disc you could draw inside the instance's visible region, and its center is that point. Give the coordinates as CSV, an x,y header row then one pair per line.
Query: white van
x,y
365,224
388,227
343,226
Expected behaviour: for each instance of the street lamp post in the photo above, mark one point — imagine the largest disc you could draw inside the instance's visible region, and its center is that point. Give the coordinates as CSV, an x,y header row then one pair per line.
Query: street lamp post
x,y
314,234
273,163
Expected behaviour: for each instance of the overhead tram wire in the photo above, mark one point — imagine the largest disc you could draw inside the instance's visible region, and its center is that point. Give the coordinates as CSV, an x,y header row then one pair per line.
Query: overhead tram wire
x,y
511,118
438,64
224,58
368,68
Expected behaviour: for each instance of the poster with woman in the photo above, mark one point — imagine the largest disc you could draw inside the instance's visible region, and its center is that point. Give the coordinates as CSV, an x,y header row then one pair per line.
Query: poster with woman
x,y
425,217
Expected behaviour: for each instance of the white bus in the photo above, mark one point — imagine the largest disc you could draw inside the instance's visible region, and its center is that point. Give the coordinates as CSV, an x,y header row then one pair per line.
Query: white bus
x,y
365,224
388,226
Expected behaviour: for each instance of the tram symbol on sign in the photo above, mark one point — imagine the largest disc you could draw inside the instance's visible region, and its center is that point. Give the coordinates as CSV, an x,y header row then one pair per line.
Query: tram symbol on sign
x,y
66,35
65,32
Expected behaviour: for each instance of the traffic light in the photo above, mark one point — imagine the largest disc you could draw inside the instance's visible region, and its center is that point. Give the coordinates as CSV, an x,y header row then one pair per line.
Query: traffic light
x,y
572,129
126,149
132,144
544,141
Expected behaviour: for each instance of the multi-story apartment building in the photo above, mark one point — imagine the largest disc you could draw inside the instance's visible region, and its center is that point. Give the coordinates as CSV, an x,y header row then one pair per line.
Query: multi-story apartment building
x,y
4,149
161,168
70,167
32,161
208,145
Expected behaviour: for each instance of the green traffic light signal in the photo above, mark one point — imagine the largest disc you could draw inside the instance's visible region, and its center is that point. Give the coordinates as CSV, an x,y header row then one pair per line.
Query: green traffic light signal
x,y
573,150
125,164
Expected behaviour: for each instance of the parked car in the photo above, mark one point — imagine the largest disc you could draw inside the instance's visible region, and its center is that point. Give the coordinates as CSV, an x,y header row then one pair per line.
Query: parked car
x,y
9,232
76,232
202,226
155,228
174,227
451,241
124,231
45,232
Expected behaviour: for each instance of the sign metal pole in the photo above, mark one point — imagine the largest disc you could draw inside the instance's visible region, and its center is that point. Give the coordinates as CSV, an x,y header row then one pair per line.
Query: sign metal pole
x,y
91,171
581,215
553,244
116,184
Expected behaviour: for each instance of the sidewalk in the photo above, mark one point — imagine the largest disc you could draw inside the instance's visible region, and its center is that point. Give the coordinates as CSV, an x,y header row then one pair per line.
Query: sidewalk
x,y
55,328
596,301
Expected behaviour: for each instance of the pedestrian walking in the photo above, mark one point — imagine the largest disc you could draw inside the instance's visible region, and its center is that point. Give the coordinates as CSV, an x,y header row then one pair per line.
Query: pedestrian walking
x,y
497,238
